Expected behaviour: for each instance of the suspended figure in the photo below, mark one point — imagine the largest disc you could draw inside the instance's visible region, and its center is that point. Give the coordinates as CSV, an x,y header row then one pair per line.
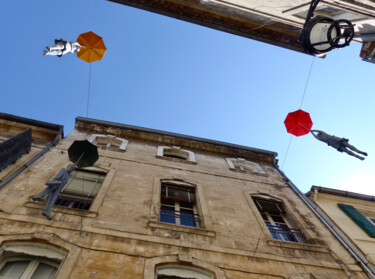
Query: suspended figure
x,y
62,47
89,47
53,189
299,123
341,144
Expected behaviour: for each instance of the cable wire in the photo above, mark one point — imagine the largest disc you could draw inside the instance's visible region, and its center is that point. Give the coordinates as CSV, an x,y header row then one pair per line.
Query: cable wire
x,y
303,98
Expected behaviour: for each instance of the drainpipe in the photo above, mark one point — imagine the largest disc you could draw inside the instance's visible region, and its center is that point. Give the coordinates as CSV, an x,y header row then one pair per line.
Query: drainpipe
x,y
21,169
358,256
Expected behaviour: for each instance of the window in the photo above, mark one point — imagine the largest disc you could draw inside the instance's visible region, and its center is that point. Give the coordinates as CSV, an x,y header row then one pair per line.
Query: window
x,y
178,205
29,261
175,153
332,12
81,189
109,142
274,216
240,164
181,272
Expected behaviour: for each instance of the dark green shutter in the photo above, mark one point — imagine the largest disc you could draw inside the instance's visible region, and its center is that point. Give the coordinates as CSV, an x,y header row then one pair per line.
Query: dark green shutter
x,y
358,218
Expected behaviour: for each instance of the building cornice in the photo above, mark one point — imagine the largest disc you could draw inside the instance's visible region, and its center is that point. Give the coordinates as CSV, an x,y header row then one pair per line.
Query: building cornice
x,y
157,136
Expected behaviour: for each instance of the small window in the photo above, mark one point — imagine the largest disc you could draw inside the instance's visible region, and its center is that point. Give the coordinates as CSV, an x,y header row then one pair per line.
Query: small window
x,y
333,13
175,153
178,205
274,216
181,272
242,165
109,142
29,261
81,189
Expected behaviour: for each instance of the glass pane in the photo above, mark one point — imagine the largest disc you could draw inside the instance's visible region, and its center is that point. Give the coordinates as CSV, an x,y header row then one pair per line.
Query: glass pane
x,y
187,218
167,216
264,216
274,231
44,271
84,183
175,153
14,270
176,156
277,218
269,206
167,202
186,204
178,193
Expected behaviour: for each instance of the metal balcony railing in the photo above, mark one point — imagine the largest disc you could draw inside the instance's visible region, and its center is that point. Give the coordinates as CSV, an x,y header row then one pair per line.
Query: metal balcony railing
x,y
14,148
73,202
180,218
286,234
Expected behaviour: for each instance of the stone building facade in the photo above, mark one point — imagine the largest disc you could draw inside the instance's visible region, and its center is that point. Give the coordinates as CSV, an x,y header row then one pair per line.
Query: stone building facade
x,y
159,205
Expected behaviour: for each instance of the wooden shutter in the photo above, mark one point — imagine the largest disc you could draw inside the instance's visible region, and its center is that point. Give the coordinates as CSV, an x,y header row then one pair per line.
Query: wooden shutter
x,y
358,218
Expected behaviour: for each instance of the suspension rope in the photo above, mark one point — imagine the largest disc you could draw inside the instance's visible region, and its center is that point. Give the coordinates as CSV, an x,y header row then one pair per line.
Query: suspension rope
x,y
303,98
89,87
88,94
307,81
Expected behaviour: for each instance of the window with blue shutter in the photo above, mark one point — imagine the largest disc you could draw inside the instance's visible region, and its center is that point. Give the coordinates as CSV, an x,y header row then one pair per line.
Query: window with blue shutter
x,y
358,218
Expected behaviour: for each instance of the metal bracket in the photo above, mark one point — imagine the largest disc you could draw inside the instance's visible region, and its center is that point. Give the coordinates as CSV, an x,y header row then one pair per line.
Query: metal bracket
x,y
309,15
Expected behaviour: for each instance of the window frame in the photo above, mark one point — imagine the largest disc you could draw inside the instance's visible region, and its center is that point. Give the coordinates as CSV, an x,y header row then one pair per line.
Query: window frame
x,y
95,205
288,218
110,139
256,168
205,228
190,159
151,264
176,269
35,253
32,265
72,198
335,13
177,205
281,231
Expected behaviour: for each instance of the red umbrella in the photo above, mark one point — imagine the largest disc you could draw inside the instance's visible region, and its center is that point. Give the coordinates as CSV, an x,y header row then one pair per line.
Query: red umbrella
x,y
298,123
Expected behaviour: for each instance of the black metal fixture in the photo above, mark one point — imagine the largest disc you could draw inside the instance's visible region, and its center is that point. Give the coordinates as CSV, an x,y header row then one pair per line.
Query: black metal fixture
x,y
321,34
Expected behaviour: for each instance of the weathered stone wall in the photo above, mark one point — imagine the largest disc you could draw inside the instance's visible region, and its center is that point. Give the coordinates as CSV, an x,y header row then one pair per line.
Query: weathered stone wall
x,y
121,237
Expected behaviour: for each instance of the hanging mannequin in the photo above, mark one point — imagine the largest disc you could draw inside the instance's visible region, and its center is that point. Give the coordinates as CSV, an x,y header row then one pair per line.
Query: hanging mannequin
x,y
53,189
341,144
62,47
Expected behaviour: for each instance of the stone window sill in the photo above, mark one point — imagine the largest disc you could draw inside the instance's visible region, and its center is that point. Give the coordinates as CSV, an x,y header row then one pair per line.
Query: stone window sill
x,y
63,209
172,227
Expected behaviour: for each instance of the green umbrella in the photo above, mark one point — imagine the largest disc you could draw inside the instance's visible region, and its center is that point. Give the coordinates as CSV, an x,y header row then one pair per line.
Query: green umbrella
x,y
83,153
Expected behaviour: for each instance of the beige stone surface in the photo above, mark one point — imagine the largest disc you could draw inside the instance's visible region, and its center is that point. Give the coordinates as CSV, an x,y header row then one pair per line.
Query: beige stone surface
x,y
121,236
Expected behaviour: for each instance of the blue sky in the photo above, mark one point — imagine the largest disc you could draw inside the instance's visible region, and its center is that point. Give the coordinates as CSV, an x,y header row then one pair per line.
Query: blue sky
x,y
175,76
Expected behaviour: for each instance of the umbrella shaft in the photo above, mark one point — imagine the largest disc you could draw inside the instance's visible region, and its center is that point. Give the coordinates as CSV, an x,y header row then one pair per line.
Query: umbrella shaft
x,y
303,126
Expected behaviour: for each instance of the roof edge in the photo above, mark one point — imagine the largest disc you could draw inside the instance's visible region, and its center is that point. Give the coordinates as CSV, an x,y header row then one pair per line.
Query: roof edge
x,y
170,134
342,193
29,121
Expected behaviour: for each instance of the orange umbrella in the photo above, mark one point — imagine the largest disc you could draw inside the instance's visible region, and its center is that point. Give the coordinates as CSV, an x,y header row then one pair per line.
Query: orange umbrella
x,y
93,47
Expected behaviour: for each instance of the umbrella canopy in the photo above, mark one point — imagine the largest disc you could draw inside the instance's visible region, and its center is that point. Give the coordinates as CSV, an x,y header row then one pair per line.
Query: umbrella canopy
x,y
83,148
298,123
93,47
